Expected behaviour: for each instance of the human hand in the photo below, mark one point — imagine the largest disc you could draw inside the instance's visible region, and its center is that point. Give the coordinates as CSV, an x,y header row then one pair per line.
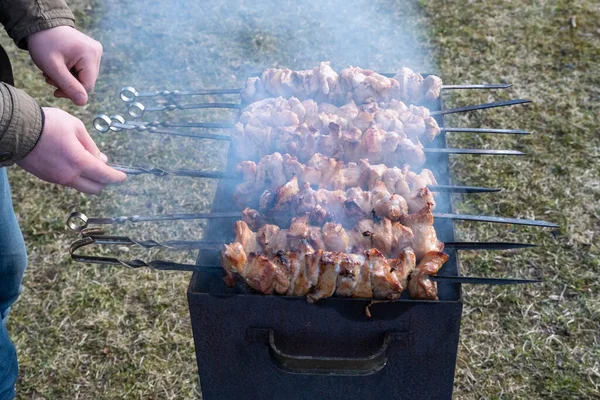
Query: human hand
x,y
69,60
67,155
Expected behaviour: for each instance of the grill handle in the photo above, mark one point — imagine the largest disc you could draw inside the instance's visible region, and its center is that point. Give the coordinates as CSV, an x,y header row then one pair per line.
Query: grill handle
x,y
332,366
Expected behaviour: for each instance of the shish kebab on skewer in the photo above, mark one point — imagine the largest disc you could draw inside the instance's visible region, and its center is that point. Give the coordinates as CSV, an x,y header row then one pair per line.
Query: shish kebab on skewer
x,y
415,122
323,84
409,83
390,136
347,208
388,236
323,172
318,274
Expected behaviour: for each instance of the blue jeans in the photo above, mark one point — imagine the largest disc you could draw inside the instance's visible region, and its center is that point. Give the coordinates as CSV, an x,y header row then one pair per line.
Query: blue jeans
x,y
13,260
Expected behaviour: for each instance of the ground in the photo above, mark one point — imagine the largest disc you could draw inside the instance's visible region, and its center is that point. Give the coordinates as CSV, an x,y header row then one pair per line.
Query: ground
x,y
86,331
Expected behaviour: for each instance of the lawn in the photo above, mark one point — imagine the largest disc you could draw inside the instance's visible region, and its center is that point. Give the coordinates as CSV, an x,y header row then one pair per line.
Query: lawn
x,y
85,331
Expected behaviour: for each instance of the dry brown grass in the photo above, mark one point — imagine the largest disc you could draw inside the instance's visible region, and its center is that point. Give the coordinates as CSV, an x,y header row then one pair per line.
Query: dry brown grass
x,y
96,332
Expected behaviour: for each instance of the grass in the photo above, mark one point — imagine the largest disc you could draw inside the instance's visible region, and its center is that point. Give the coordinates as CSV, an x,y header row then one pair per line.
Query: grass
x,y
86,331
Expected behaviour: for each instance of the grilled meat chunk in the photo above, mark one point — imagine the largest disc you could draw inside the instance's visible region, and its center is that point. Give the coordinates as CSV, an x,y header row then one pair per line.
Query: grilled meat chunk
x,y
421,224
420,286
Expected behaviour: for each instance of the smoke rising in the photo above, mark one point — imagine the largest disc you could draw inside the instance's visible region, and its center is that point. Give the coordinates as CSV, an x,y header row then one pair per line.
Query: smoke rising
x,y
185,44
200,43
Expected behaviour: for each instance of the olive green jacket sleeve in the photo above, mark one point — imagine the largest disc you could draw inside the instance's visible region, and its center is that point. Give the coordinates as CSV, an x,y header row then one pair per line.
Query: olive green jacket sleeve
x,y
21,118
21,18
21,123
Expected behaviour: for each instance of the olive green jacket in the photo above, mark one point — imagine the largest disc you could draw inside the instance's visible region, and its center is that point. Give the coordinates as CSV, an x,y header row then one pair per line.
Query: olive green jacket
x,y
21,118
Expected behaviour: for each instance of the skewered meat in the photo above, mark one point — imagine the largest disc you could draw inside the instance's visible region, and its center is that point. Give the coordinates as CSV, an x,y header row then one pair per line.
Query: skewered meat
x,y
420,285
324,84
421,224
323,172
323,205
320,274
252,142
411,121
389,237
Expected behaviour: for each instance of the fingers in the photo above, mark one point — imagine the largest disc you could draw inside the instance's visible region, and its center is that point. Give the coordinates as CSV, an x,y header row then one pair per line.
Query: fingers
x,y
86,140
86,185
67,83
87,72
97,171
59,94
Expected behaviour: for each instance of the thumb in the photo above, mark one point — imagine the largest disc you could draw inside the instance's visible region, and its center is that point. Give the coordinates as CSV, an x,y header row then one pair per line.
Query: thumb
x,y
67,83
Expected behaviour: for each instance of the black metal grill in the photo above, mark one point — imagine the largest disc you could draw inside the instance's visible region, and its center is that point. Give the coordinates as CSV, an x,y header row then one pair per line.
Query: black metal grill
x,y
263,347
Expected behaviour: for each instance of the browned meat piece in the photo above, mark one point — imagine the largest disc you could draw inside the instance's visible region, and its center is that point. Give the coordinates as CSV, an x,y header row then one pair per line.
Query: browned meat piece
x,y
392,207
270,172
246,237
385,284
294,264
233,260
299,227
335,237
434,87
404,266
333,202
419,199
315,238
253,218
328,274
286,194
382,236
421,224
420,286
271,239
348,275
264,275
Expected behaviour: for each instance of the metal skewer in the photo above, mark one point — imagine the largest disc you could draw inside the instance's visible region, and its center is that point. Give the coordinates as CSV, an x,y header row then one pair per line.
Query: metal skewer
x,y
490,152
500,220
481,106
224,175
78,221
177,172
486,130
478,86
100,238
487,245
128,94
172,266
104,123
482,281
137,109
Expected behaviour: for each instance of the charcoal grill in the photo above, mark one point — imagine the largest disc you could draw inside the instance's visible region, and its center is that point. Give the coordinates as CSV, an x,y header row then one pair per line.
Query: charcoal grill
x,y
272,345
256,346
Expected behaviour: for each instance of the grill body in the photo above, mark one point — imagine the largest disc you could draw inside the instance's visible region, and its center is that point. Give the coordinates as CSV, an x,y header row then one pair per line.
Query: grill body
x,y
265,347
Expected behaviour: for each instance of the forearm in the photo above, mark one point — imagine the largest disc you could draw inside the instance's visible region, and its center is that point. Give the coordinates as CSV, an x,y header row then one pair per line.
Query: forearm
x,y
22,18
21,124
